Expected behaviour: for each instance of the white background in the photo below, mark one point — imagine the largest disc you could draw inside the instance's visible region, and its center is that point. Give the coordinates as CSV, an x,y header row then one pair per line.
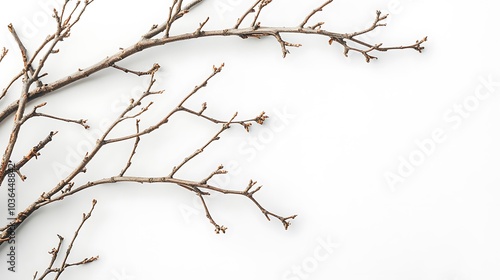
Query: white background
x,y
350,124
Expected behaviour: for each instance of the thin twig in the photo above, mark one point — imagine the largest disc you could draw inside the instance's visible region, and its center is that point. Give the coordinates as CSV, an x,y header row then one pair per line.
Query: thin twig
x,y
33,153
263,4
245,123
14,79
179,107
22,48
201,25
155,68
3,53
157,29
34,113
218,228
319,9
24,54
58,271
136,143
218,171
200,150
242,18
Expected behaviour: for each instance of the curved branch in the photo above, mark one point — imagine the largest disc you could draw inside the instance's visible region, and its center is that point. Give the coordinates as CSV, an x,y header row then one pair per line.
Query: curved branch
x,y
249,32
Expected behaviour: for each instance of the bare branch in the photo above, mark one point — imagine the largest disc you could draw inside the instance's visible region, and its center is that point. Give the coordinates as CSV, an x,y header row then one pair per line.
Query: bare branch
x,y
3,53
24,53
284,44
33,153
179,107
218,171
193,186
66,19
242,18
263,4
170,18
153,69
34,113
22,48
200,150
157,29
218,228
250,32
58,271
54,252
201,25
23,100
136,143
245,123
14,79
376,23
319,9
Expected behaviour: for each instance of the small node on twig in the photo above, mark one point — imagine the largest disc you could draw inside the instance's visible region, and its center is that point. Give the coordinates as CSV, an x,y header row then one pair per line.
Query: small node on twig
x,y
287,223
218,171
198,31
203,108
250,185
218,69
260,119
317,25
219,229
247,126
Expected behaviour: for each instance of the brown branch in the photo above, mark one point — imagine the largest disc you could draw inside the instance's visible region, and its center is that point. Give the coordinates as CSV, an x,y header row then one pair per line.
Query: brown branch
x,y
376,23
138,73
63,10
193,186
201,25
216,137
157,29
58,271
145,43
80,168
14,79
66,186
22,48
136,143
23,101
179,107
171,16
263,4
3,53
54,252
24,54
319,9
65,23
62,32
245,123
218,228
284,44
242,18
218,171
34,113
33,153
